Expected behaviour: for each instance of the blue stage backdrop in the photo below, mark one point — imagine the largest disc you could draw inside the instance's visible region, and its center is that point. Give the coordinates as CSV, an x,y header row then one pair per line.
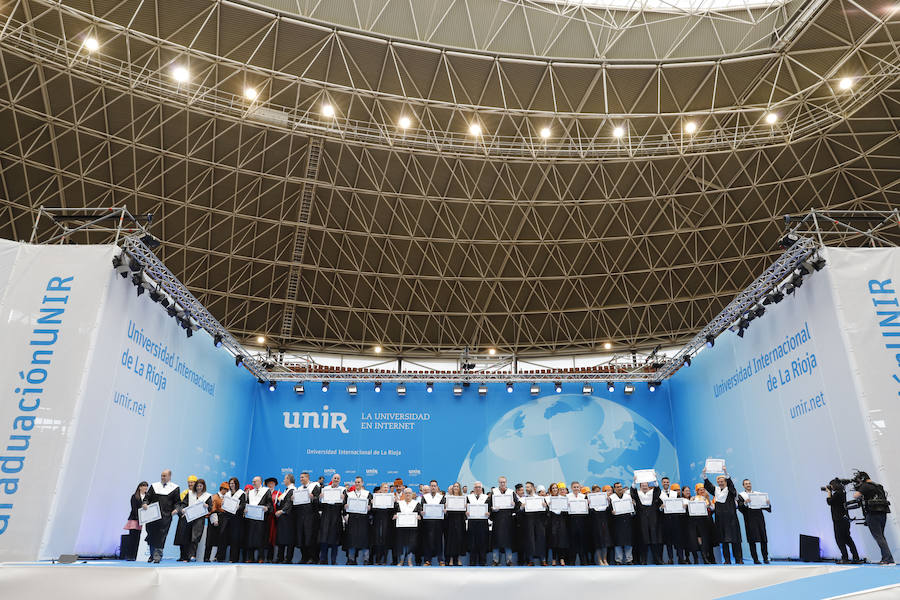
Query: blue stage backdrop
x,y
550,437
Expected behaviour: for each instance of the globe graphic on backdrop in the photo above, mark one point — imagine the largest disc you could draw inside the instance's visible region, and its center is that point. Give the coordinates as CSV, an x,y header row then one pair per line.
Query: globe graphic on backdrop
x,y
568,437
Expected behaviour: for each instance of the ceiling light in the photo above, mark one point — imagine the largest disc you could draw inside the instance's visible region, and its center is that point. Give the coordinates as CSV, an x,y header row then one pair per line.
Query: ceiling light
x,y
260,339
238,360
475,129
610,387
217,340
690,128
558,387
587,389
545,132
457,389
324,386
535,389
653,385
771,118
492,351
607,345
482,390
629,389
352,389
618,132
401,389
509,387
298,388
710,341
272,386
429,387
91,44
377,387
327,110
845,83
405,122
687,361
377,349
251,94
180,74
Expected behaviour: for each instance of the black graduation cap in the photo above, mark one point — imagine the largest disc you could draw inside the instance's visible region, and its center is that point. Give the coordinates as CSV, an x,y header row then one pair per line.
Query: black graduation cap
x,y
272,479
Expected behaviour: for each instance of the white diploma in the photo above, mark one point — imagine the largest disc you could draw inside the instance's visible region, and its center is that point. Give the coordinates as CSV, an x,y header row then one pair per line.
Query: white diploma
x,y
534,504
715,465
230,505
383,501
432,511
598,500
578,506
673,506
195,511
407,519
502,501
697,508
150,514
301,496
645,476
478,511
622,506
254,512
759,500
455,503
357,506
331,495
559,504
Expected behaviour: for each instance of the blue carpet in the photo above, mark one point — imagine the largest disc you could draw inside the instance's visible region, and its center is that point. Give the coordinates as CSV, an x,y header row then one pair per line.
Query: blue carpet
x,y
824,586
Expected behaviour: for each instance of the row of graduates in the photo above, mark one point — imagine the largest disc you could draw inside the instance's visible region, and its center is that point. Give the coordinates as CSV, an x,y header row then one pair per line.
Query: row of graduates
x,y
319,528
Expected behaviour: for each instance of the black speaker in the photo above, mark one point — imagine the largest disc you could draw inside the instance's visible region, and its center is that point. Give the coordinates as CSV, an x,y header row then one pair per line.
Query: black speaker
x,y
809,548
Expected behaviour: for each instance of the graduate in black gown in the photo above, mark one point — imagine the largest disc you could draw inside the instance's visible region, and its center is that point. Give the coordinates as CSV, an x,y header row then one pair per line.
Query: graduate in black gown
x,y
503,532
182,538
649,520
670,521
454,529
285,525
754,523
306,519
579,529
601,538
534,543
215,530
133,526
727,526
357,535
704,528
477,529
256,534
192,532
331,524
622,525
431,536
686,540
557,528
168,495
232,535
382,526
406,537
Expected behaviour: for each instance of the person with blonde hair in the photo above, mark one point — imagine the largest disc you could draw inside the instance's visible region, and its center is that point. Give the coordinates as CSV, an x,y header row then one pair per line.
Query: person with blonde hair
x,y
557,528
703,526
601,539
455,530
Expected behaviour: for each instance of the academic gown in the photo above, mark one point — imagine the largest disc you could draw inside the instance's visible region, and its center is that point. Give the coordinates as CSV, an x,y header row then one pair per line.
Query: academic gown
x,y
477,530
168,496
454,533
579,529
649,525
621,525
671,522
285,525
534,532
331,524
601,537
234,523
727,526
754,520
306,517
503,531
703,528
407,536
558,529
432,529
188,533
256,534
382,526
357,535
686,534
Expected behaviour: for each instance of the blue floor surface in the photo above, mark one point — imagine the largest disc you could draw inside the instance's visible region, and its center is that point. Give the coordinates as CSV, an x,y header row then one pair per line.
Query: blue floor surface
x,y
825,586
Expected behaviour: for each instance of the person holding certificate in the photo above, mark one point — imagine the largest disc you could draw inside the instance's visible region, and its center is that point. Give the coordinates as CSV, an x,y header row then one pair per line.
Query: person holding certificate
x,y
622,521
215,529
455,525
701,523
285,525
647,502
190,526
533,515
383,506
727,525
168,495
503,504
478,532
752,504
259,502
331,525
357,510
558,525
407,518
601,539
133,526
306,519
686,540
670,520
233,512
432,538
578,526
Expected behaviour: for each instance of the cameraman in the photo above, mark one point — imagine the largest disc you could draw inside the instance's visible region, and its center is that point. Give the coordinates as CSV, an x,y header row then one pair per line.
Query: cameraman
x,y
840,518
875,507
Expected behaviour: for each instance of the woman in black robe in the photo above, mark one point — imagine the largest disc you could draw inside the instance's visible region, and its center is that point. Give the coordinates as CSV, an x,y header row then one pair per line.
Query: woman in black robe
x,y
232,529
728,527
601,538
704,528
534,543
558,530
285,525
188,535
686,539
407,536
129,548
455,530
754,523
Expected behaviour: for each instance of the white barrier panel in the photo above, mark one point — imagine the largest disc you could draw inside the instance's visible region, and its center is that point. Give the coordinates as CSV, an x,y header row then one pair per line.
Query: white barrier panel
x,y
48,315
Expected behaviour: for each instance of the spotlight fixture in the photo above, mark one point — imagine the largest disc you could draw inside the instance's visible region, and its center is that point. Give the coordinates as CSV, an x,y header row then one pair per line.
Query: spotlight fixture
x,y
759,311
690,128
618,132
259,380
217,341
744,323
710,341
457,389
771,118
298,388
91,44
845,83
324,386
789,288
482,390
803,268
377,349
260,339
352,389
164,301
740,333
607,345
137,279
251,94
172,310
818,263
238,360
777,296
180,74
189,331
535,389
587,389
377,387
687,361
135,265
545,132
327,110
120,264
629,389
509,387
273,385
475,129
492,351
404,122
797,280
429,387
652,385
150,241
788,240
401,389
558,387
610,387
155,295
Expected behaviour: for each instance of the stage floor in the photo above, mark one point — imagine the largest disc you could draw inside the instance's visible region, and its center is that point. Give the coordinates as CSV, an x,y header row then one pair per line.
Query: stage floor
x,y
99,580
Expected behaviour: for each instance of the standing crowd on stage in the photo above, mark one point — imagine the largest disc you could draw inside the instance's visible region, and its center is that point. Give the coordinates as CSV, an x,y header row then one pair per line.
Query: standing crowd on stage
x,y
309,521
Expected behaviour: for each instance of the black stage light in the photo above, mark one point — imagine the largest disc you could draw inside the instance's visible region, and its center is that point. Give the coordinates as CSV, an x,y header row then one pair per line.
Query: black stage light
x,y
238,360
797,280
743,324
788,240
710,341
155,295
759,311
150,241
740,333
172,310
217,340
652,385
629,389
429,387
164,301
610,387
687,361
777,296
509,387
377,387
802,269
324,386
557,386
273,385
298,388
818,263
120,265
789,288
189,331
259,380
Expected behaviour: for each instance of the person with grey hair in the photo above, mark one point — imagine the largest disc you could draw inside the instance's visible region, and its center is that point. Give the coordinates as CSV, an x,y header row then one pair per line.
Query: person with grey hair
x,y
503,502
407,536
168,494
477,529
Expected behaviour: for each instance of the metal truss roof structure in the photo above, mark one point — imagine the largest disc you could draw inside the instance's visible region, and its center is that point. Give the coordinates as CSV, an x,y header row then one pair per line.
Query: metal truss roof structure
x,y
627,182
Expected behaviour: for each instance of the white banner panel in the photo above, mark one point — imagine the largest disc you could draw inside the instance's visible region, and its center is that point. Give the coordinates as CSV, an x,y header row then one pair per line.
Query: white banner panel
x,y
48,318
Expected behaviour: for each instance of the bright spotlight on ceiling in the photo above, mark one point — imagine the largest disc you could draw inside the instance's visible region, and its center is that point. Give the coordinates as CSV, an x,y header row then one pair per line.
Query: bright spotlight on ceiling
x,y
618,132
404,122
492,351
607,345
260,339
475,129
377,387
845,83
771,118
327,110
690,128
180,74
610,387
377,349
251,93
429,387
558,387
545,132
91,44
